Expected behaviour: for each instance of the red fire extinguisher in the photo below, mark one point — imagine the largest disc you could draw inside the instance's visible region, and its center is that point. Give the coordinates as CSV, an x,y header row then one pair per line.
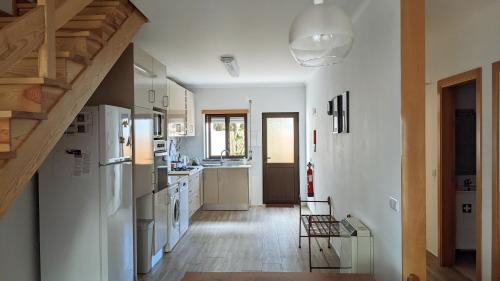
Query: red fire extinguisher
x,y
310,183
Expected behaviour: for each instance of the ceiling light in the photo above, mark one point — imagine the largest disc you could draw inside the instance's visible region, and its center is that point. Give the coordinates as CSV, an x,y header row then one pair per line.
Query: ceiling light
x,y
321,35
231,65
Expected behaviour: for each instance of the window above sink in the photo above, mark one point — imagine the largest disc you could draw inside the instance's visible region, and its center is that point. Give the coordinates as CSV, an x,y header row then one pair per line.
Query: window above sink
x,y
226,136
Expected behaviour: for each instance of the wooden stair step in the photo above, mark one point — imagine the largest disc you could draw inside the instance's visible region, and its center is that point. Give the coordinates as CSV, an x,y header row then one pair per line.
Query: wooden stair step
x,y
12,132
67,55
82,46
124,8
67,68
81,33
110,3
100,27
10,114
35,81
117,15
7,155
30,94
88,21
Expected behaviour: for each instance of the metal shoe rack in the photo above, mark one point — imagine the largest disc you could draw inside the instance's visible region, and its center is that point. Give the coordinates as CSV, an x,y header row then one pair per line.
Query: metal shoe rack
x,y
320,226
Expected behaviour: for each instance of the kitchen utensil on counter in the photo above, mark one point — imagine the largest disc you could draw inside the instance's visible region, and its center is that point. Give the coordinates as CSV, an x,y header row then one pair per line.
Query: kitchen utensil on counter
x,y
184,159
196,161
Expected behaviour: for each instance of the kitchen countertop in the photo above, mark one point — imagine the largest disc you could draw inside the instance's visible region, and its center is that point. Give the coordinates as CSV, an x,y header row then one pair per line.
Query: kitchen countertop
x,y
194,171
247,166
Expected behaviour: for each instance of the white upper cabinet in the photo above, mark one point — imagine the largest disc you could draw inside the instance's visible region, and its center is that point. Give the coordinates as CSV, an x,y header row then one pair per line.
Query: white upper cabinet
x,y
181,111
143,80
160,86
177,98
150,79
176,113
190,114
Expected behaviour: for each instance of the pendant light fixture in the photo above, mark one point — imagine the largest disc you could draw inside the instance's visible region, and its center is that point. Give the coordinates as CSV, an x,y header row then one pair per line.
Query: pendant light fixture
x,y
321,35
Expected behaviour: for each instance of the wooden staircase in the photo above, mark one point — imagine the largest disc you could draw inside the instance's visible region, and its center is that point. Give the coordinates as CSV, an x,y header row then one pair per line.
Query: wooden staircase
x,y
53,56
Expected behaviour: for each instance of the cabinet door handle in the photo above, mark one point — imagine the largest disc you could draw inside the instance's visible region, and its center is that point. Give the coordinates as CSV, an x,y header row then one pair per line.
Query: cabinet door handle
x,y
165,101
152,96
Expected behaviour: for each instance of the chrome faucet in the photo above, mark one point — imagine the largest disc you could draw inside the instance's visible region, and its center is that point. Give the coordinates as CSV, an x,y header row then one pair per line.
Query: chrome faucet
x,y
222,153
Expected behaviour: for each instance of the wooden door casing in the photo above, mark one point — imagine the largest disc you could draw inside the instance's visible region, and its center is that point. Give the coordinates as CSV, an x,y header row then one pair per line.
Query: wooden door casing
x,y
446,195
280,180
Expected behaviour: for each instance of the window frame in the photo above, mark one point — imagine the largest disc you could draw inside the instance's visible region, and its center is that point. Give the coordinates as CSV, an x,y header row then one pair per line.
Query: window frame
x,y
227,117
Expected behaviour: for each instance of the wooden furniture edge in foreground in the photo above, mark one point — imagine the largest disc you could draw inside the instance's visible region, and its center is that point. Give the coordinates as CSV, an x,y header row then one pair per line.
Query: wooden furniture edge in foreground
x,y
274,276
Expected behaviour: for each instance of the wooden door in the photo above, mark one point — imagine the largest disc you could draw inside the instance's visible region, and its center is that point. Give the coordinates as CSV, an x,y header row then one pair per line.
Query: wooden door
x,y
280,141
447,170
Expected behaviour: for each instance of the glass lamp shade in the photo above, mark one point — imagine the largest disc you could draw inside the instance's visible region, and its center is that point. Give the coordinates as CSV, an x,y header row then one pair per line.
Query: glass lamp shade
x,y
321,35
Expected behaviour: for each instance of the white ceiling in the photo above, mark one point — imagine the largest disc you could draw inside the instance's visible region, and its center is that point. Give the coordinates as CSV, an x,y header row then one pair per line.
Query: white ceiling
x,y
190,35
441,9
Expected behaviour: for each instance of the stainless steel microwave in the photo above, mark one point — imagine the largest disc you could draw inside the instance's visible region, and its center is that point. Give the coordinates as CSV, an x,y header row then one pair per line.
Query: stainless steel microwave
x,y
159,125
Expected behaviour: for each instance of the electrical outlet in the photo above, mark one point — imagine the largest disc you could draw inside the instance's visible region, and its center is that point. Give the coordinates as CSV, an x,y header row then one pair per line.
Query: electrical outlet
x,y
394,204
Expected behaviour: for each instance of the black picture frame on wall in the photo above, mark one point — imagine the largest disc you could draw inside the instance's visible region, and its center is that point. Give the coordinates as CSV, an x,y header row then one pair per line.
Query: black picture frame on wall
x,y
337,110
345,112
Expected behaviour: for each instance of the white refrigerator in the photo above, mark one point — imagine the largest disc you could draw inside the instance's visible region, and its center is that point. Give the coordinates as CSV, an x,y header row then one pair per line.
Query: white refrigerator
x,y
85,200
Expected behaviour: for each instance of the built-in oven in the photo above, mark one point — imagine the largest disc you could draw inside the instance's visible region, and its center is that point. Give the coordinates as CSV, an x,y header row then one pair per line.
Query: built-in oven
x,y
161,165
159,125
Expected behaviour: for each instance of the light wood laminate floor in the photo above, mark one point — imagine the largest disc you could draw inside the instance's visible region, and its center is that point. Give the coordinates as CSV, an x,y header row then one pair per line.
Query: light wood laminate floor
x,y
261,239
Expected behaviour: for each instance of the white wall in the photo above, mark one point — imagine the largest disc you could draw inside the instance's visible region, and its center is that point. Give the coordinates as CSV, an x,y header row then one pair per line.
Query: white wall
x,y
463,39
19,259
264,99
362,169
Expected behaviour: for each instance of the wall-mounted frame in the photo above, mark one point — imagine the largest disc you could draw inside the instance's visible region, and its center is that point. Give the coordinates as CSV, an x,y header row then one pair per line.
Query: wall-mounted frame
x,y
330,108
345,112
337,125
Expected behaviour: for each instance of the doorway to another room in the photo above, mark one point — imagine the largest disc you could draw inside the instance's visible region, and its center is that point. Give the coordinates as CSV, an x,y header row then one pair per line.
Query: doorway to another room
x,y
459,202
280,156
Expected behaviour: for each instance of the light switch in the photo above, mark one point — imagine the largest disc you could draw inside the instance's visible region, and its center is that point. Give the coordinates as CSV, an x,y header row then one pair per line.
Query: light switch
x,y
394,204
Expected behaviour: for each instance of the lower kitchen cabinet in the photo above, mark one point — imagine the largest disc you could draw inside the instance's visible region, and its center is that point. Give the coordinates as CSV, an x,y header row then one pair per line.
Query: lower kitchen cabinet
x,y
210,187
160,202
195,193
226,189
233,186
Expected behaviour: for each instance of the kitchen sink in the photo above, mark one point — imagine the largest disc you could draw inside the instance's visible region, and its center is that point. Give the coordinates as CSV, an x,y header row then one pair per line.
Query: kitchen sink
x,y
212,164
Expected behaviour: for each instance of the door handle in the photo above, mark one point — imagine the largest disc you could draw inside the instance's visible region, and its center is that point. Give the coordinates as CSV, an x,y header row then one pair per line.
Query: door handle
x,y
412,277
165,101
152,96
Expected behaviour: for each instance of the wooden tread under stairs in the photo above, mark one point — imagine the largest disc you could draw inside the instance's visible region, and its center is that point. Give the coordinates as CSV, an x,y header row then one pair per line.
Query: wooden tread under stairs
x,y
35,111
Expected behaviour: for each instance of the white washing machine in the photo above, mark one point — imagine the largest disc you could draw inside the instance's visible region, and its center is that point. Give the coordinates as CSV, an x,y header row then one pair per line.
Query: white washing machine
x,y
184,198
173,218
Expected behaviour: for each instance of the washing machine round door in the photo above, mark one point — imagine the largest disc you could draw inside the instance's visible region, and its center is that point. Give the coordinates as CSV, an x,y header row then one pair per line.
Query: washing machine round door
x,y
177,212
